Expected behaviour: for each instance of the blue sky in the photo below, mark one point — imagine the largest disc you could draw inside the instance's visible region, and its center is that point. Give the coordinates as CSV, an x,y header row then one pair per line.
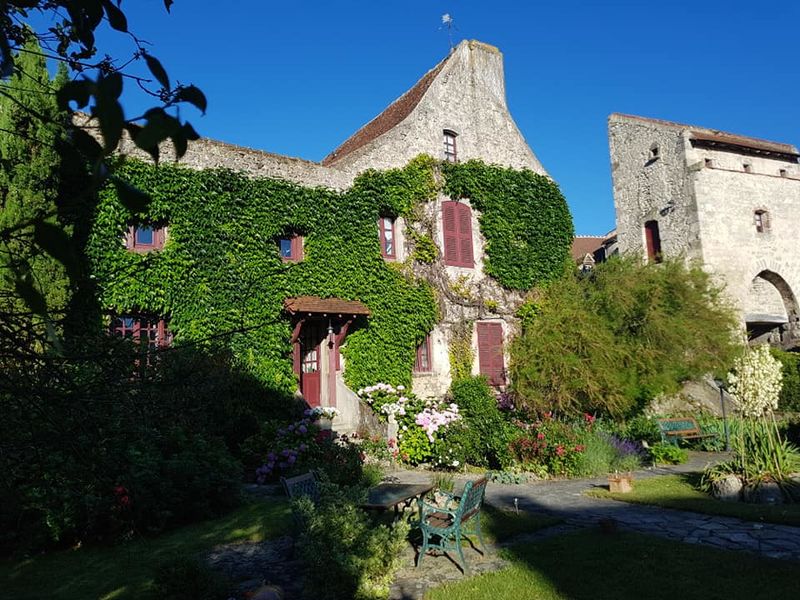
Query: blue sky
x,y
297,78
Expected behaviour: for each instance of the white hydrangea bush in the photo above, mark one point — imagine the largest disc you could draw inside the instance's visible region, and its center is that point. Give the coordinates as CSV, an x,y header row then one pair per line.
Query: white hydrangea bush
x,y
756,381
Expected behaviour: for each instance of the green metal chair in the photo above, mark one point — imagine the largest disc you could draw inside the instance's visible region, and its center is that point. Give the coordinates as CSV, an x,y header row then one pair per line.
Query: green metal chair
x,y
444,527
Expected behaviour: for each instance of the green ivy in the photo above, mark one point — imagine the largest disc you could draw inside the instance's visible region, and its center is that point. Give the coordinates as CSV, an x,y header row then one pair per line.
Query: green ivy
x,y
523,216
220,278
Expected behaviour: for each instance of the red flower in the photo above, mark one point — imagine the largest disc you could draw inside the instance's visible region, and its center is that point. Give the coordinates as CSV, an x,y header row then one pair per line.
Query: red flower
x,y
589,418
580,448
540,436
120,490
560,450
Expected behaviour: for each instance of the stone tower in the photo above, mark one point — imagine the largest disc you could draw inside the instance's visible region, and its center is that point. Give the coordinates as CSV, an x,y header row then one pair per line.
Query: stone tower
x,y
729,202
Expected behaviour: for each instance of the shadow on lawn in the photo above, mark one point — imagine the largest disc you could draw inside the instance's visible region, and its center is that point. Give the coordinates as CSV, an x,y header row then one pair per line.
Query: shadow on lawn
x,y
600,561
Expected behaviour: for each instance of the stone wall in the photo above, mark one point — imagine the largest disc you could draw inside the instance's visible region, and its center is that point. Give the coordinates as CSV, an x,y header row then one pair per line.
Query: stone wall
x,y
705,199
468,97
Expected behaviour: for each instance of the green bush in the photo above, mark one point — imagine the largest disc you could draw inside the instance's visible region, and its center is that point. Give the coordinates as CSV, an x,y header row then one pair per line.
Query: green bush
x,y
185,578
484,433
790,392
664,453
597,457
346,555
612,341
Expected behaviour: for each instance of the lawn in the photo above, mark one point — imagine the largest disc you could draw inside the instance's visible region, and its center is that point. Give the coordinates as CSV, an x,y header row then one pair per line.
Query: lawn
x,y
680,492
125,571
499,526
593,565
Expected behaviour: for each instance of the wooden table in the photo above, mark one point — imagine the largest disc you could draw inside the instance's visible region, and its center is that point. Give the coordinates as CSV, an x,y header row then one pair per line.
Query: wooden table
x,y
392,495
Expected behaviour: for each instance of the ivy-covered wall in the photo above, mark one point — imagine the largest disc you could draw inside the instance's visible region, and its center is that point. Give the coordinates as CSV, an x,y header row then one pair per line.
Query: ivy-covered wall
x,y
220,278
523,216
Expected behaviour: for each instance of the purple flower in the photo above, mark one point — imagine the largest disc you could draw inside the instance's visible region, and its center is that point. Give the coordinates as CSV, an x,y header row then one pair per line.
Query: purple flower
x,y
292,459
302,429
271,456
302,447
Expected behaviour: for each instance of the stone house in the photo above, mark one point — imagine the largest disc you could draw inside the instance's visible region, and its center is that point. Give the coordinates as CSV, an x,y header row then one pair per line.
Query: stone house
x,y
727,201
457,111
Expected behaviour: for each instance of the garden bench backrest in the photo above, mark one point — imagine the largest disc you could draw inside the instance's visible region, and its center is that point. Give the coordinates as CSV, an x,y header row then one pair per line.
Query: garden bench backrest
x,y
472,498
301,486
679,424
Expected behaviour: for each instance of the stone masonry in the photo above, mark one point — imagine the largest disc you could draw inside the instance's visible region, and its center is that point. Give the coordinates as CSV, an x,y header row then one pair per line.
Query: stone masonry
x,y
729,202
464,94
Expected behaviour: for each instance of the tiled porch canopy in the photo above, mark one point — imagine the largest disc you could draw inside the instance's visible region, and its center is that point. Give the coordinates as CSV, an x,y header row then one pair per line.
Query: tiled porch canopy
x,y
313,305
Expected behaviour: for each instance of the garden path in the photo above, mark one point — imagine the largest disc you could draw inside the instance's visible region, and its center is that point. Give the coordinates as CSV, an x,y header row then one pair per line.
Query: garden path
x,y
566,499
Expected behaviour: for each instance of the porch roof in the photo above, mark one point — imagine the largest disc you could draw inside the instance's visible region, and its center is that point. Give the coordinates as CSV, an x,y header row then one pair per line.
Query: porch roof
x,y
324,306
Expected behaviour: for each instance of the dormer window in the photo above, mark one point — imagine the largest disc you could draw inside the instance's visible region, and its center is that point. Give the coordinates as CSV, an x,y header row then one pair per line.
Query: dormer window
x,y
450,152
748,168
709,163
144,237
783,173
290,248
654,152
761,220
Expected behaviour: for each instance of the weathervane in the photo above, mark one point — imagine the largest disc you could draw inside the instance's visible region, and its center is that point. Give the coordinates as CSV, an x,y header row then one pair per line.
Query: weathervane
x,y
447,21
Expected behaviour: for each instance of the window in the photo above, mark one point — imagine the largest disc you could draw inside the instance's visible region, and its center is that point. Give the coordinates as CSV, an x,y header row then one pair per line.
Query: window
x,y
457,227
144,237
450,154
709,163
761,219
654,152
490,352
424,364
653,241
290,247
149,331
748,168
386,231
783,173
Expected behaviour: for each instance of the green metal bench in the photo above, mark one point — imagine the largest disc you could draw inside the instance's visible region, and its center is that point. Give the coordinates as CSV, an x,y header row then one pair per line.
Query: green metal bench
x,y
458,518
681,428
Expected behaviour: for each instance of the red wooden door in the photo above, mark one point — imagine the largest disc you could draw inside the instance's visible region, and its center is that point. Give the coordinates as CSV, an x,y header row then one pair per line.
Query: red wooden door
x,y
310,362
490,352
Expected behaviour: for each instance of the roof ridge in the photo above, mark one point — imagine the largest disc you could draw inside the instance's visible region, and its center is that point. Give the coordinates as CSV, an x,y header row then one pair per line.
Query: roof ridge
x,y
389,117
700,128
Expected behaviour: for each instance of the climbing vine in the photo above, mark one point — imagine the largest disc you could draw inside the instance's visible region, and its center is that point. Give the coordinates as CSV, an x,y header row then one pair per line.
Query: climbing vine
x,y
523,216
220,278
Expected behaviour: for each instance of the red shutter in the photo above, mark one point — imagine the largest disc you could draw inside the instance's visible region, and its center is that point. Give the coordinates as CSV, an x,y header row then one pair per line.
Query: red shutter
x,y
450,228
465,236
490,352
653,241
297,248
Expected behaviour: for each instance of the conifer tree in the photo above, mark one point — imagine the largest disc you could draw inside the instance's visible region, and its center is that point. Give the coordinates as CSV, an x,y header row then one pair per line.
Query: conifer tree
x,y
31,142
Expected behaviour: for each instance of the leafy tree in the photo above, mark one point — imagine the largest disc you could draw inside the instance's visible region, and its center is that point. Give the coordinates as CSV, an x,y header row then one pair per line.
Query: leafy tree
x,y
613,340
97,88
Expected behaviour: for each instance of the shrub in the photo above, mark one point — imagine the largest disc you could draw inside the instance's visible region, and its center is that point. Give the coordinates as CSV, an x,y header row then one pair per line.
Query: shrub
x,y
612,341
549,447
185,578
484,433
790,393
345,553
664,453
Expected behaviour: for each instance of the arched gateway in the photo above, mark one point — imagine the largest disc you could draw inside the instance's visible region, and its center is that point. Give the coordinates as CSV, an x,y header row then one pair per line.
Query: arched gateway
x,y
772,313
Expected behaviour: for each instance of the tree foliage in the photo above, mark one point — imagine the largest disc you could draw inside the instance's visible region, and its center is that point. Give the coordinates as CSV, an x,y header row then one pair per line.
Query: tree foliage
x,y
613,340
65,31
